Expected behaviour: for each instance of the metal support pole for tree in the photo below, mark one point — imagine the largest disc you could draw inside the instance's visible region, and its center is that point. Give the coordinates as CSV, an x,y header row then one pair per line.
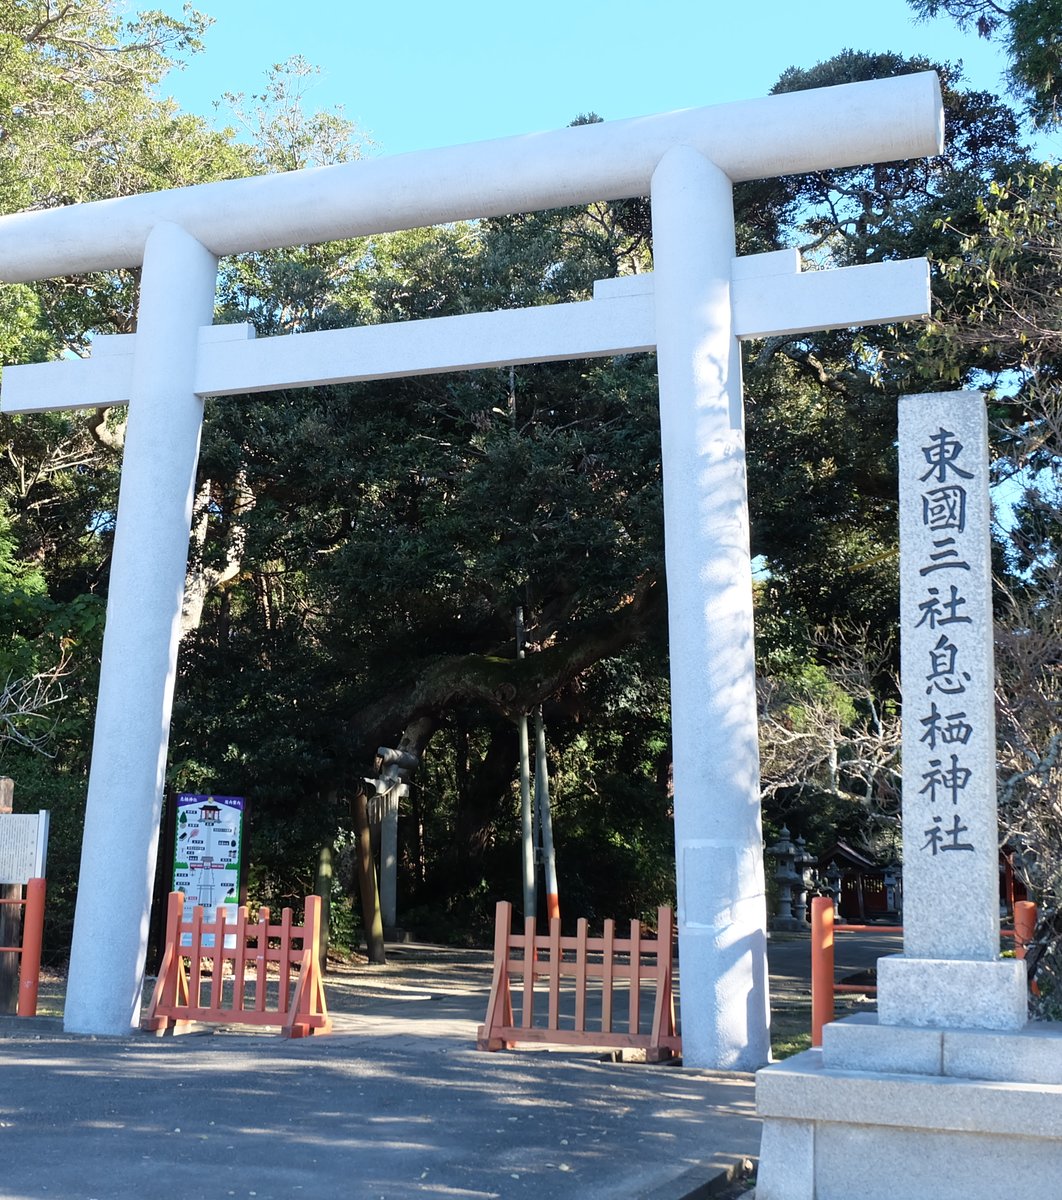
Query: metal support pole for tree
x,y
545,818
527,829
389,862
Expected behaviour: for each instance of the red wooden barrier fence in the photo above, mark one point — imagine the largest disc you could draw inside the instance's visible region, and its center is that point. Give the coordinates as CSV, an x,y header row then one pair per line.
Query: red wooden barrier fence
x,y
29,952
191,994
635,963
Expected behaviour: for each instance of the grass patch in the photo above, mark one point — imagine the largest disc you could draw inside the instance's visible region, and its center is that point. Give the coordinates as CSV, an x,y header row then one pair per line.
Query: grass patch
x,y
786,1047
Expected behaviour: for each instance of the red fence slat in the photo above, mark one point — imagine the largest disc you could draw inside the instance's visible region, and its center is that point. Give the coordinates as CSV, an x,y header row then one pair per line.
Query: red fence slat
x,y
639,960
178,996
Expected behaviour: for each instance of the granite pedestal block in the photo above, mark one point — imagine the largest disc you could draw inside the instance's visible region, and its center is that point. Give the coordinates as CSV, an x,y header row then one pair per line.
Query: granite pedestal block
x,y
955,993
921,1113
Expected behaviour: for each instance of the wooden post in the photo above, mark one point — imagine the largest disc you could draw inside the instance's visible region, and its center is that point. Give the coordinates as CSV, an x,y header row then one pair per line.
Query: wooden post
x,y
324,890
371,916
500,1002
821,966
605,959
176,1001
9,919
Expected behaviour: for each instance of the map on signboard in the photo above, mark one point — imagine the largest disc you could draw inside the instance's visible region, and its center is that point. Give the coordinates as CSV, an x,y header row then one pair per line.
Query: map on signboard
x,y
208,853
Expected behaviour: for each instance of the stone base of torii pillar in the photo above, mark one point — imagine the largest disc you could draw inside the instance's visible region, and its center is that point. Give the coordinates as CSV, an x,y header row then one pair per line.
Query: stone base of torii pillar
x,y
947,1092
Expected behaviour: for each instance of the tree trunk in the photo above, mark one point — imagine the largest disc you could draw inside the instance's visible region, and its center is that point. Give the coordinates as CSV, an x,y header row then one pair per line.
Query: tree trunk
x,y
503,685
201,580
480,805
371,916
323,888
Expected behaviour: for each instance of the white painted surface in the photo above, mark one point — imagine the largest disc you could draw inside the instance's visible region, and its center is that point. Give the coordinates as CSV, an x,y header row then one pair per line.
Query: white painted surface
x,y
877,121
718,841
491,339
67,383
789,303
770,297
140,644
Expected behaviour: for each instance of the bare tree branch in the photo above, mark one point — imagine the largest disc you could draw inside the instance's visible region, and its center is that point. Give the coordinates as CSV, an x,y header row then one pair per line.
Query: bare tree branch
x,y
26,706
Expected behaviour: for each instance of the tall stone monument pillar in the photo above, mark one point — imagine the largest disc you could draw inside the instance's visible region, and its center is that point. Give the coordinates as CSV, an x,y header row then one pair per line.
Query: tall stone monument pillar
x,y
950,972
946,1093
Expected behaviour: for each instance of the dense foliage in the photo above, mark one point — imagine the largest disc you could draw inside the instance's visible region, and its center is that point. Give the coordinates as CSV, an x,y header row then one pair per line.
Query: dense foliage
x,y
359,552
1030,31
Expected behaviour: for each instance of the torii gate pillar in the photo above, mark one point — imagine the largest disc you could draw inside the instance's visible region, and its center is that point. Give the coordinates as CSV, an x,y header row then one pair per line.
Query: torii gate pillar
x,y
139,664
718,840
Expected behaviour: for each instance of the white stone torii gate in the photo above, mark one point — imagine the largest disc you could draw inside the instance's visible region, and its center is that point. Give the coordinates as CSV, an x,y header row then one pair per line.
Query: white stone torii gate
x,y
693,309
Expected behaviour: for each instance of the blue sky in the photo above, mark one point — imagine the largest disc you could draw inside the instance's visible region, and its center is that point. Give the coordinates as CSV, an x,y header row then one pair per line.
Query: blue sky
x,y
417,73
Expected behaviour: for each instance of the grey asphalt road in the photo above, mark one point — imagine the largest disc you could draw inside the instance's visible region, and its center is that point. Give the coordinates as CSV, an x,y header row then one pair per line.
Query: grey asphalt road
x,y
394,1104
789,955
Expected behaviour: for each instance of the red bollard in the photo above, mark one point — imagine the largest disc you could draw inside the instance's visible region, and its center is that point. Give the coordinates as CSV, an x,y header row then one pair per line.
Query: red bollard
x,y
1024,932
29,975
821,966
1024,926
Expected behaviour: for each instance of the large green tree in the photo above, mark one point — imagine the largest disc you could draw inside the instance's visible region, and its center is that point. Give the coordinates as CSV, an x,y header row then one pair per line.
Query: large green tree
x,y
396,526
80,119
1031,33
821,432
359,551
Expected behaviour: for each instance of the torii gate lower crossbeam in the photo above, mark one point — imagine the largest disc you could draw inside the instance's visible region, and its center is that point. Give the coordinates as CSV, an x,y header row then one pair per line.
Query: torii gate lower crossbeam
x,y
699,303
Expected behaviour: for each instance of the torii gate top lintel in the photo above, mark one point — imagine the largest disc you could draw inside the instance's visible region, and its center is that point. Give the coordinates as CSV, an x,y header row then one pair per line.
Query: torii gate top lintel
x,y
875,121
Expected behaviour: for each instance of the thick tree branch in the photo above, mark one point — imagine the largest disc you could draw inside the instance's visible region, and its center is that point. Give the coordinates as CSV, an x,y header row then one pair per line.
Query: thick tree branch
x,y
507,685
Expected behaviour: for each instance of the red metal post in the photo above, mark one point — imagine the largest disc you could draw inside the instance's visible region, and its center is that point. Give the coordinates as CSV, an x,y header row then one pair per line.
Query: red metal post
x,y
1024,932
821,966
1024,926
29,977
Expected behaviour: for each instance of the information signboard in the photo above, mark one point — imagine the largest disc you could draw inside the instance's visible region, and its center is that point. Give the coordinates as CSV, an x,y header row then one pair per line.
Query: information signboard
x,y
23,846
208,853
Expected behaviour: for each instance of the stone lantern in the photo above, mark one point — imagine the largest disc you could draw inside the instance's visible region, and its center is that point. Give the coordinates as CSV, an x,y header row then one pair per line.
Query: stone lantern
x,y
785,855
